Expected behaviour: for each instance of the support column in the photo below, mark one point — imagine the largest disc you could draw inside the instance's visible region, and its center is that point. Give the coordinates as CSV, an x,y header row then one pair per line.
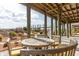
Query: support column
x,y
28,20
58,25
45,24
64,28
67,30
60,30
59,18
70,29
55,26
52,26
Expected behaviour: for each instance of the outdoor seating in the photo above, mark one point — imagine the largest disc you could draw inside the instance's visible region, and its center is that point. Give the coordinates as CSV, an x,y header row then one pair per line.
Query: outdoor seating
x,y
3,46
63,51
41,36
39,29
56,38
14,48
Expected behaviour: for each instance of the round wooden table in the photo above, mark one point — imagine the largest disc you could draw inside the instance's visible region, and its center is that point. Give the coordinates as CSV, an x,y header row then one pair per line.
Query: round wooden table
x,y
51,42
33,43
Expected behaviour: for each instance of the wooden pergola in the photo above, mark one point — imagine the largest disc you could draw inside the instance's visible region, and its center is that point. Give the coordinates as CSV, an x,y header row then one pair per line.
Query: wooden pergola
x,y
64,13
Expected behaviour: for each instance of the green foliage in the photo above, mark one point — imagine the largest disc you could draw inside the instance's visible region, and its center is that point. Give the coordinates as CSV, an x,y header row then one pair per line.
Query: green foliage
x,y
12,33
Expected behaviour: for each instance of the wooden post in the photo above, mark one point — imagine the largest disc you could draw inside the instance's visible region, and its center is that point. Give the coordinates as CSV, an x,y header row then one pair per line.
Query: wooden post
x,y
67,30
55,26
45,24
64,28
70,29
61,29
51,26
28,20
59,18
58,24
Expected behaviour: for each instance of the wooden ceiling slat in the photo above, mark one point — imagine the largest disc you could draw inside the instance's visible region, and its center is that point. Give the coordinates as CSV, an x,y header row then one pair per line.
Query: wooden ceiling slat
x,y
52,9
67,7
63,9
69,10
72,11
73,6
47,9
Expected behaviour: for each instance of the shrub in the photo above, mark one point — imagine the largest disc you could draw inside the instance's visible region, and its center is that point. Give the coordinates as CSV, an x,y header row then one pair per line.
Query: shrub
x,y
12,33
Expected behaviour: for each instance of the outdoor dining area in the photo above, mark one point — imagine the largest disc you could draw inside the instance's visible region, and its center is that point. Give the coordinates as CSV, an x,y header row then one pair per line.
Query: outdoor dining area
x,y
40,43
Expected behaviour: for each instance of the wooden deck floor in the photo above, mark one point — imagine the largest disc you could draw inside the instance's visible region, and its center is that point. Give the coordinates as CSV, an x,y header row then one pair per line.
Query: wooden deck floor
x,y
5,53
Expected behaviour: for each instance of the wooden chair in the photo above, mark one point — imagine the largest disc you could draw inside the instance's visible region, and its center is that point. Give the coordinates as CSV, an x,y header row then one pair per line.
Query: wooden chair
x,y
64,51
41,36
56,38
13,51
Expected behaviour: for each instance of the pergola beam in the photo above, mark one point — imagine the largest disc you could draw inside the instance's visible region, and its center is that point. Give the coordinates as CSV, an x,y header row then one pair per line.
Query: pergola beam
x,y
47,9
52,9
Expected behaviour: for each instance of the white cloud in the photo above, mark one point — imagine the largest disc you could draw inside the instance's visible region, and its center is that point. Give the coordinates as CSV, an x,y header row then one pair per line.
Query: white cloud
x,y
7,9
